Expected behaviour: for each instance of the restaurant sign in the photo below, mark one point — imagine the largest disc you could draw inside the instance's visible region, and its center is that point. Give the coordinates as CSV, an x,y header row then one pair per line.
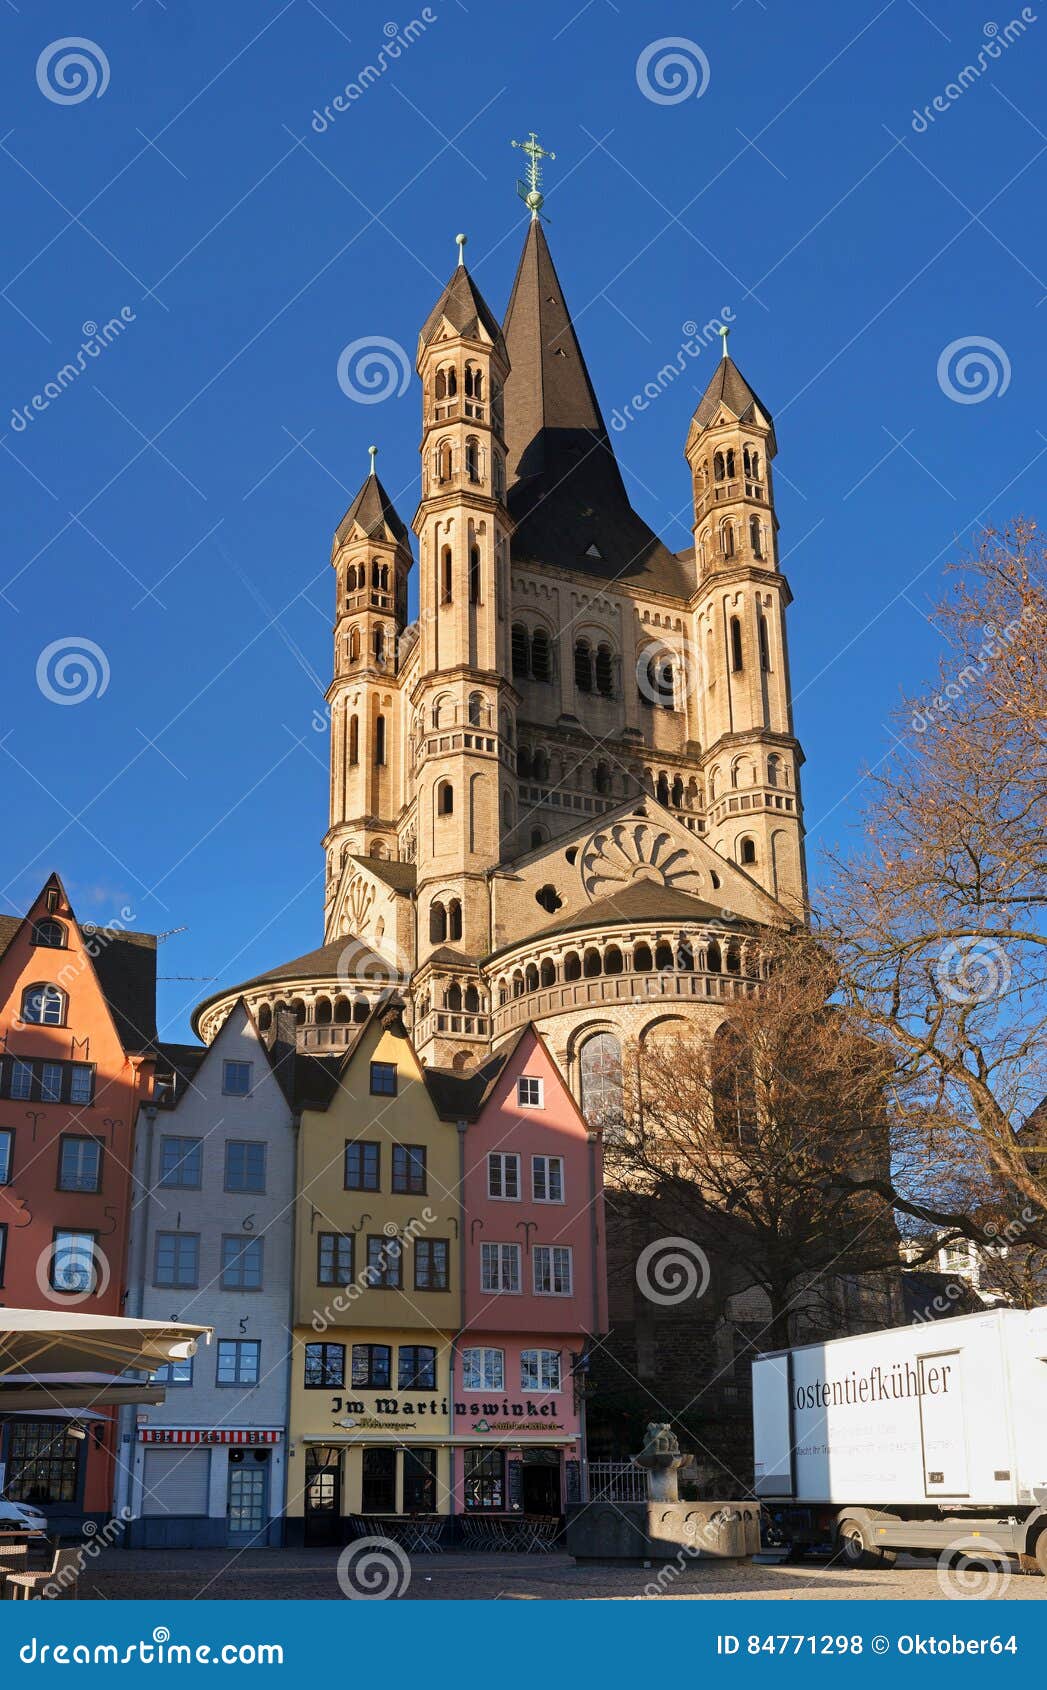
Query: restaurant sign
x,y
401,1414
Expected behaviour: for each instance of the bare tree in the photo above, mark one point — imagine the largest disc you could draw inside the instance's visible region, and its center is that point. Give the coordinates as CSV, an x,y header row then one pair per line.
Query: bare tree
x,y
937,924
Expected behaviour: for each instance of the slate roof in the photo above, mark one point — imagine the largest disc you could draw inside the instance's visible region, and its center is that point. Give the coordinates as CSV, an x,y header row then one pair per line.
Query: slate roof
x,y
466,310
566,493
729,387
400,876
640,900
345,959
375,512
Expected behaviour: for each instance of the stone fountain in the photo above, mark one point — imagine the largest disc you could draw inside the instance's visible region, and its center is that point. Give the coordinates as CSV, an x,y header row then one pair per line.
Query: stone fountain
x,y
663,1528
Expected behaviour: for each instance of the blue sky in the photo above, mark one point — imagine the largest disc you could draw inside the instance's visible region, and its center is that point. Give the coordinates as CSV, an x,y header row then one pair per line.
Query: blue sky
x,y
174,504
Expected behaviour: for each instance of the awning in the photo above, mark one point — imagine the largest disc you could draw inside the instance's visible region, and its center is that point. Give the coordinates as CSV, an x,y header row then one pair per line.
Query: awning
x,y
51,1396
201,1435
33,1341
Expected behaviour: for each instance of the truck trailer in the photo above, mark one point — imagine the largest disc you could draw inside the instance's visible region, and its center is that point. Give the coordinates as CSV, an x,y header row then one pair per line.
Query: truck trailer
x,y
924,1438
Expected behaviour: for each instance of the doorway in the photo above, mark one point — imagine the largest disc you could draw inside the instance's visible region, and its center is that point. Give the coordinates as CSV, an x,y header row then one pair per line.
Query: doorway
x,y
323,1498
246,1513
541,1482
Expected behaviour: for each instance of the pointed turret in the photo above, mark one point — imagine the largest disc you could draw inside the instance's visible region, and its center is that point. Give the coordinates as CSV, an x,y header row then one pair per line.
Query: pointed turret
x,y
729,392
464,311
566,493
373,511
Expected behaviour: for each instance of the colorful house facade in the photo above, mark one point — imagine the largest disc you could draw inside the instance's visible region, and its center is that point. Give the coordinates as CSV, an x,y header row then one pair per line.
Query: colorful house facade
x,y
211,1240
77,1029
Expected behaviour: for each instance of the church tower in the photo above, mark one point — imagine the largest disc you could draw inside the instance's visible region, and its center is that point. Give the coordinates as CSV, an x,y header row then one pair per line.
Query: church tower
x,y
750,756
371,557
462,703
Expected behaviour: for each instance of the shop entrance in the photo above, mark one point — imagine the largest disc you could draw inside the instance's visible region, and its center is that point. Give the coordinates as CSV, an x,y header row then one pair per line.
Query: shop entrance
x,y
246,1513
323,1497
541,1481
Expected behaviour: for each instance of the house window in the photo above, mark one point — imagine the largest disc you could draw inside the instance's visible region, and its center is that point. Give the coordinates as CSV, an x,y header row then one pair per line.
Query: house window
x,y
378,1481
49,933
503,1175
372,1367
177,1259
483,1370
383,1079
244,1165
50,1082
81,1083
181,1162
552,1270
79,1163
484,1479
43,1006
236,1078
174,1373
74,1256
20,1084
325,1366
241,1263
430,1264
500,1267
362,1162
419,1481
43,1463
529,1092
539,1370
334,1258
547,1179
409,1169
7,1145
3,1249
239,1361
384,1262
416,1367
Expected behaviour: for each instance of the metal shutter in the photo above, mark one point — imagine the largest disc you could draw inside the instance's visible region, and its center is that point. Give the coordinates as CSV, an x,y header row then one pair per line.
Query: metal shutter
x,y
176,1481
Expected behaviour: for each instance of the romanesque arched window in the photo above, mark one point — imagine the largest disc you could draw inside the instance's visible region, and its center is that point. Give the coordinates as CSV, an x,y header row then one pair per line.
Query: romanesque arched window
x,y
474,575
379,741
472,459
523,761
437,923
519,648
476,705
642,960
541,656
755,539
600,1078
446,575
583,666
354,739
454,919
765,647
737,662
445,799
605,670
354,645
747,851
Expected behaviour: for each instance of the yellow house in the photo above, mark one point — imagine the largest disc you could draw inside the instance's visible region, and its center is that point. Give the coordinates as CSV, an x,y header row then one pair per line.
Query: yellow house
x,y
377,1292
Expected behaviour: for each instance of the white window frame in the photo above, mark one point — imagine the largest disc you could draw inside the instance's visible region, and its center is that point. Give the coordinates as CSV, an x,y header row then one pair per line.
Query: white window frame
x,y
504,1161
544,1358
235,1062
493,1380
530,1092
550,1259
508,1255
546,1163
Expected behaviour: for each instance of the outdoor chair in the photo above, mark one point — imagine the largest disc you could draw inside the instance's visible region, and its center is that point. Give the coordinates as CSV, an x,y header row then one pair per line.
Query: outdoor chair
x,y
27,1586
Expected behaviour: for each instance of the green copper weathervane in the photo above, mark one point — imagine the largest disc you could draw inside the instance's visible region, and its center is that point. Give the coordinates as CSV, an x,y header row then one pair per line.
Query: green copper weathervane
x,y
531,192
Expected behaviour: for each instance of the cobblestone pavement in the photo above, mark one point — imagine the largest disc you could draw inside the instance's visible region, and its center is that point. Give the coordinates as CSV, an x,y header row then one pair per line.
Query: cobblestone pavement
x,y
278,1574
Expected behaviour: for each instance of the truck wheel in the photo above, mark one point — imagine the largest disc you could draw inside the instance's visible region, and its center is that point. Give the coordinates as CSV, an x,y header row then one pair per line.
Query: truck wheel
x,y
854,1549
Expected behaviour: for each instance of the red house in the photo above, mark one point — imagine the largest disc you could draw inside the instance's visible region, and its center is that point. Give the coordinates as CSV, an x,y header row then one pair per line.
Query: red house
x,y
77,1025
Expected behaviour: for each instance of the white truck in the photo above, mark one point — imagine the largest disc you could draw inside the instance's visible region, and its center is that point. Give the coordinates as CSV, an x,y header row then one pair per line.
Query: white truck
x,y
916,1438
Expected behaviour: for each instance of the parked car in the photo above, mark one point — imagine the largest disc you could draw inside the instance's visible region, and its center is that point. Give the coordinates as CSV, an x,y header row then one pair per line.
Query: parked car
x,y
20,1517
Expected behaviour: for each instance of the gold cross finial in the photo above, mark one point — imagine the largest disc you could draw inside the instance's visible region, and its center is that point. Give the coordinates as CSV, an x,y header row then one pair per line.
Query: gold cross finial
x,y
531,193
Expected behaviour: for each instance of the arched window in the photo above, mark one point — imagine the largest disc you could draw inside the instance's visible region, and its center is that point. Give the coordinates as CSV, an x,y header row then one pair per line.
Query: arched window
x,y
472,1001
600,1077
541,656
663,956
756,466
354,739
49,933
354,645
733,1088
265,1018
476,705
523,761
678,793
379,741
747,853
661,791
445,799
322,1012
474,575
730,464
765,649
572,967
736,645
548,972
718,466
342,1011
443,461
474,382
612,960
437,923
298,1011
519,651
507,809
747,461
453,998
454,919
642,961
685,956
713,960
604,671
44,1006
727,539
361,1010
541,764
734,957
379,644
755,539
774,765
656,680
583,666
601,778
447,575
472,459
441,384
518,984
591,964
531,977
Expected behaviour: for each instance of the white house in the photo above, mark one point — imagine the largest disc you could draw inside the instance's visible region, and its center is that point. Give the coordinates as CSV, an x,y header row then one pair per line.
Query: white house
x,y
211,1241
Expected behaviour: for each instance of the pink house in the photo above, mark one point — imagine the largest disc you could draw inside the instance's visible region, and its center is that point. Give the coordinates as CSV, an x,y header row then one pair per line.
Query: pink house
x,y
535,1293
